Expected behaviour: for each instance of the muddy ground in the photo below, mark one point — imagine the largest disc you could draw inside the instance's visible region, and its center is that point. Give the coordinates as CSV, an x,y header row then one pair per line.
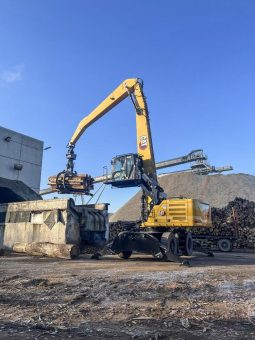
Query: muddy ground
x,y
142,298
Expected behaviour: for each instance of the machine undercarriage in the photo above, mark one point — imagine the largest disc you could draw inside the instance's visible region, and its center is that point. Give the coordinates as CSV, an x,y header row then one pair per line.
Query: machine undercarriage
x,y
168,245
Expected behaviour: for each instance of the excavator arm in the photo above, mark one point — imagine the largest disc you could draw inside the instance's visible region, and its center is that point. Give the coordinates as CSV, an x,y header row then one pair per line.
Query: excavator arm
x,y
133,88
69,182
114,98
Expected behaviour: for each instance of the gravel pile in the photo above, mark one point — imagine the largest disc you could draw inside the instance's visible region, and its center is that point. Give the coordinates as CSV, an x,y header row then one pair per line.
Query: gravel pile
x,y
218,190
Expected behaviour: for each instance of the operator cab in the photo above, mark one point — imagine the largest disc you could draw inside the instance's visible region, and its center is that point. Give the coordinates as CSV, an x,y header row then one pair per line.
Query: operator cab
x,y
126,171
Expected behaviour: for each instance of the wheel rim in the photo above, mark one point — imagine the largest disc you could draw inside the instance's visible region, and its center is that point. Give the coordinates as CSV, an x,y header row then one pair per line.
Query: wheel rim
x,y
224,245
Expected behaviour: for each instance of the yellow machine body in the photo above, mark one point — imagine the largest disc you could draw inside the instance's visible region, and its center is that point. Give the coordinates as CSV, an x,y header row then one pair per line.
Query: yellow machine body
x,y
179,213
168,218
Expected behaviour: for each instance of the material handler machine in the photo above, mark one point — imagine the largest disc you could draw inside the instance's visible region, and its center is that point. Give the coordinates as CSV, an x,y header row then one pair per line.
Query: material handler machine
x,y
164,229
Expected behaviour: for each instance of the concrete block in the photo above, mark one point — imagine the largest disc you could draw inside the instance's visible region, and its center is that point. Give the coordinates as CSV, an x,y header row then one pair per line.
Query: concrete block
x,y
54,221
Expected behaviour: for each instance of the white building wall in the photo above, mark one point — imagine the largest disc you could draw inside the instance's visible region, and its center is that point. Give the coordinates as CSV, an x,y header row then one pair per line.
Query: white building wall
x,y
19,150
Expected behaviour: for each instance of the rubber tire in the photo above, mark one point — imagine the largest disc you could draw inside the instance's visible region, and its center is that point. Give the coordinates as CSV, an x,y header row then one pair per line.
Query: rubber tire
x,y
225,245
173,244
125,254
188,244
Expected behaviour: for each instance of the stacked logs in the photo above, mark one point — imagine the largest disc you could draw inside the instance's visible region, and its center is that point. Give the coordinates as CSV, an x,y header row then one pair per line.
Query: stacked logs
x,y
78,183
118,227
237,219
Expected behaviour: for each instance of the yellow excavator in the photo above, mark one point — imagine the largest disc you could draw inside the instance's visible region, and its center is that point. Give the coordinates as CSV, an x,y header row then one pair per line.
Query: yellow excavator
x,y
166,223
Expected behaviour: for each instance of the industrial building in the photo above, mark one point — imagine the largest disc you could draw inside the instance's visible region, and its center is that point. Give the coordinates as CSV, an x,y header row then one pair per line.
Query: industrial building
x,y
20,158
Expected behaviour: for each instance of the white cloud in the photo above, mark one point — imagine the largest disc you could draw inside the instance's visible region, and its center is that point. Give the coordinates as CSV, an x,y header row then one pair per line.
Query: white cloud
x,y
13,74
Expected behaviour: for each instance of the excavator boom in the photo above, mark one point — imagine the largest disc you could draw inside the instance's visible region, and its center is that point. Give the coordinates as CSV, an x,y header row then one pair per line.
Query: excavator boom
x,y
131,87
68,181
114,98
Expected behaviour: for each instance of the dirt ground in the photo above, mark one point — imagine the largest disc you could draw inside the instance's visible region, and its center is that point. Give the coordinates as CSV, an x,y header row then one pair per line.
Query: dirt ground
x,y
141,298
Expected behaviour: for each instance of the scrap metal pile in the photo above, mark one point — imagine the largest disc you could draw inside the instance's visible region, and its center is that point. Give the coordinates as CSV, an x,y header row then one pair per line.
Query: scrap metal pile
x,y
237,219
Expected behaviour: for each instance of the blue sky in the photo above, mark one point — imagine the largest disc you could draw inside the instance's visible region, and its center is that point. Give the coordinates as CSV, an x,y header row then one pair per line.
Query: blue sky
x,y
59,59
